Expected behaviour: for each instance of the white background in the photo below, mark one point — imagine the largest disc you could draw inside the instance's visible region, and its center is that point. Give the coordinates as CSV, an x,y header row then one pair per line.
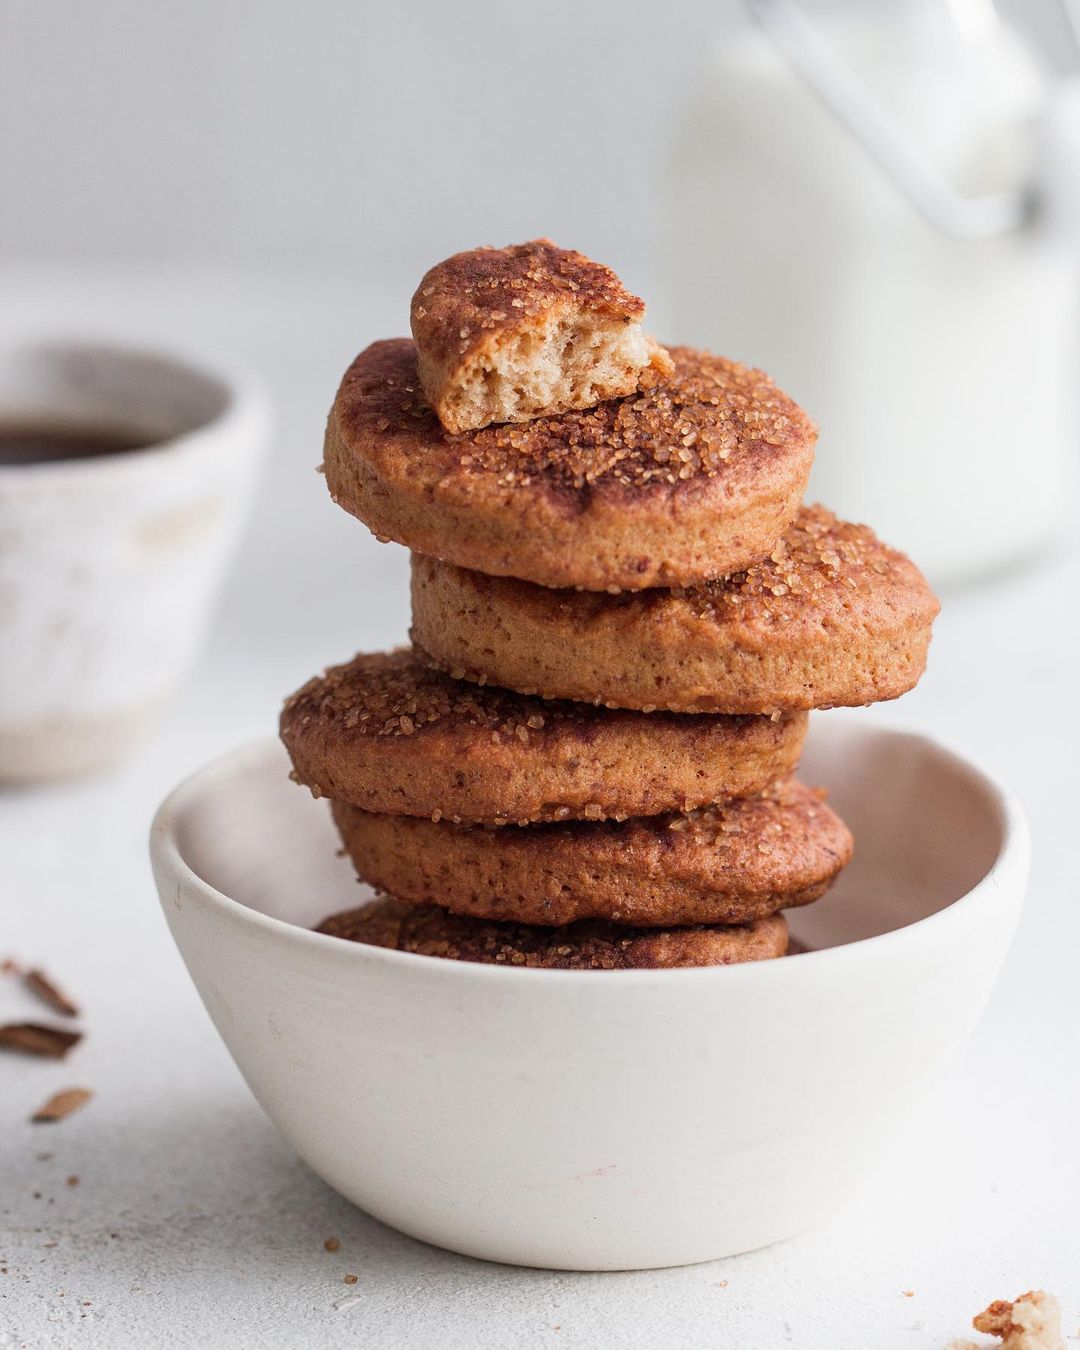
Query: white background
x,y
271,180
371,138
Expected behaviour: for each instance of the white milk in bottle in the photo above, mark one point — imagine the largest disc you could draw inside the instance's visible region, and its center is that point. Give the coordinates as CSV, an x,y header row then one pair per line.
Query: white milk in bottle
x,y
938,355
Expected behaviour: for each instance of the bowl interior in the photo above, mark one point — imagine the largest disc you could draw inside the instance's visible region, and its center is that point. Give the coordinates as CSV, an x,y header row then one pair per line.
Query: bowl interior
x,y
256,837
104,385
928,827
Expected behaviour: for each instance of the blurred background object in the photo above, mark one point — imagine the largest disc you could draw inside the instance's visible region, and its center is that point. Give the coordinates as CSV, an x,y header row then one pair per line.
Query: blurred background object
x,y
864,200
277,177
125,473
368,138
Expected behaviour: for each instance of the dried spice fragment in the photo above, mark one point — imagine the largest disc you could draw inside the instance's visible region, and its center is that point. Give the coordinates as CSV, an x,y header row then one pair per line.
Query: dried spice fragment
x,y
35,1038
61,1104
40,984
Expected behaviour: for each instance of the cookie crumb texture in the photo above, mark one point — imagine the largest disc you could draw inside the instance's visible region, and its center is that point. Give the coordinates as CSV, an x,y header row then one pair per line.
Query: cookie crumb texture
x,y
511,334
1030,1322
430,931
729,863
832,617
387,733
690,479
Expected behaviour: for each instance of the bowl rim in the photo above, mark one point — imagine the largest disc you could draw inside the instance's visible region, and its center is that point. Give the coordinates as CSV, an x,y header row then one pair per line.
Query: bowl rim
x,y
245,417
1010,864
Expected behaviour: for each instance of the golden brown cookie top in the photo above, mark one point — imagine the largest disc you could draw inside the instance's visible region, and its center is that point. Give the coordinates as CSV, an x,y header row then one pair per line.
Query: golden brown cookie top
x,y
712,418
385,695
589,945
388,733
729,864
819,563
470,295
821,566
785,837
399,693
763,819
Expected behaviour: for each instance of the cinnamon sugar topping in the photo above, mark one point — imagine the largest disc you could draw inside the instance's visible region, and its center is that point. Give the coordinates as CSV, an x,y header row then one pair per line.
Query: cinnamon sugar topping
x,y
485,283
707,415
391,694
816,554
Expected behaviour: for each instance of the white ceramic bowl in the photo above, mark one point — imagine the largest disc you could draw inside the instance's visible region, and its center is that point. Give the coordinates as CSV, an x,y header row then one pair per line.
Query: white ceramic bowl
x,y
109,564
600,1120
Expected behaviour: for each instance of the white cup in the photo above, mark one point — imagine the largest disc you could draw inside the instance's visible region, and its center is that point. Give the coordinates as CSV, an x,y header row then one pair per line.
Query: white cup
x,y
109,563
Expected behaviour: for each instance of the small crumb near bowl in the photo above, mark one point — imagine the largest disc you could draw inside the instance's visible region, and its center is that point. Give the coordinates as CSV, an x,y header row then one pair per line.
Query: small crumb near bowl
x,y
1030,1322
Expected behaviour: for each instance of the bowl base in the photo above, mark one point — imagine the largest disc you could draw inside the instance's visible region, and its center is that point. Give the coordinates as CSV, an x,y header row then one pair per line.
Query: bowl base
x,y
69,747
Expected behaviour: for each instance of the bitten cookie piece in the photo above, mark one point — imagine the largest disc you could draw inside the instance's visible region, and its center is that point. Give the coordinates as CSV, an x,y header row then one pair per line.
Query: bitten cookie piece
x,y
730,863
509,334
389,734
832,617
431,931
691,479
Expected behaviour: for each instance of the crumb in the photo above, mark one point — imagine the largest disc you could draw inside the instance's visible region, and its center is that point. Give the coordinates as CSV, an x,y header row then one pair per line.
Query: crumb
x,y
908,1293
350,1279
1030,1322
332,1244
62,1104
73,1180
35,1038
49,992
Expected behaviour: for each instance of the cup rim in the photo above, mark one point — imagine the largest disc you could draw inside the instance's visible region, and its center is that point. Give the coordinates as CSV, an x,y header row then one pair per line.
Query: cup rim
x,y
1011,861
245,412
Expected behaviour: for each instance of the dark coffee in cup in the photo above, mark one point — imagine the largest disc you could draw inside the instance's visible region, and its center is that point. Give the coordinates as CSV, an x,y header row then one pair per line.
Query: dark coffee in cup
x,y
44,442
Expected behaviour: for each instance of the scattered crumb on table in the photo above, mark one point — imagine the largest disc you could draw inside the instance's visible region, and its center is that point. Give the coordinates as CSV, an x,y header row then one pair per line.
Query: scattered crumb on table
x,y
62,1104
1030,1322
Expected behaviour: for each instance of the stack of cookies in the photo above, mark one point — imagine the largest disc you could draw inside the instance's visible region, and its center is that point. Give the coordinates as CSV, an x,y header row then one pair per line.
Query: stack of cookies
x,y
621,616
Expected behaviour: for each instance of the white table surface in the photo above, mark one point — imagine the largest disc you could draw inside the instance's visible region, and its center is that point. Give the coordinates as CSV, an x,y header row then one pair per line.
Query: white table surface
x,y
192,1223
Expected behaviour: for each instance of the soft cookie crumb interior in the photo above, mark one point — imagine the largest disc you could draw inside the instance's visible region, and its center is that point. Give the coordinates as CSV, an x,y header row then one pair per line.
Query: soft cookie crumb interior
x,y
568,362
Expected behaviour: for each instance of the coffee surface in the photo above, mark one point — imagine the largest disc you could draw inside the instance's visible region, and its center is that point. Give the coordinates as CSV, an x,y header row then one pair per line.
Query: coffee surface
x,y
42,442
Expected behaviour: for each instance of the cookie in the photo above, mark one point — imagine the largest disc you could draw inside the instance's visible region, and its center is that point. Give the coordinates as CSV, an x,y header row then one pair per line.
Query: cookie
x,y
431,931
389,734
724,864
832,617
510,334
691,479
